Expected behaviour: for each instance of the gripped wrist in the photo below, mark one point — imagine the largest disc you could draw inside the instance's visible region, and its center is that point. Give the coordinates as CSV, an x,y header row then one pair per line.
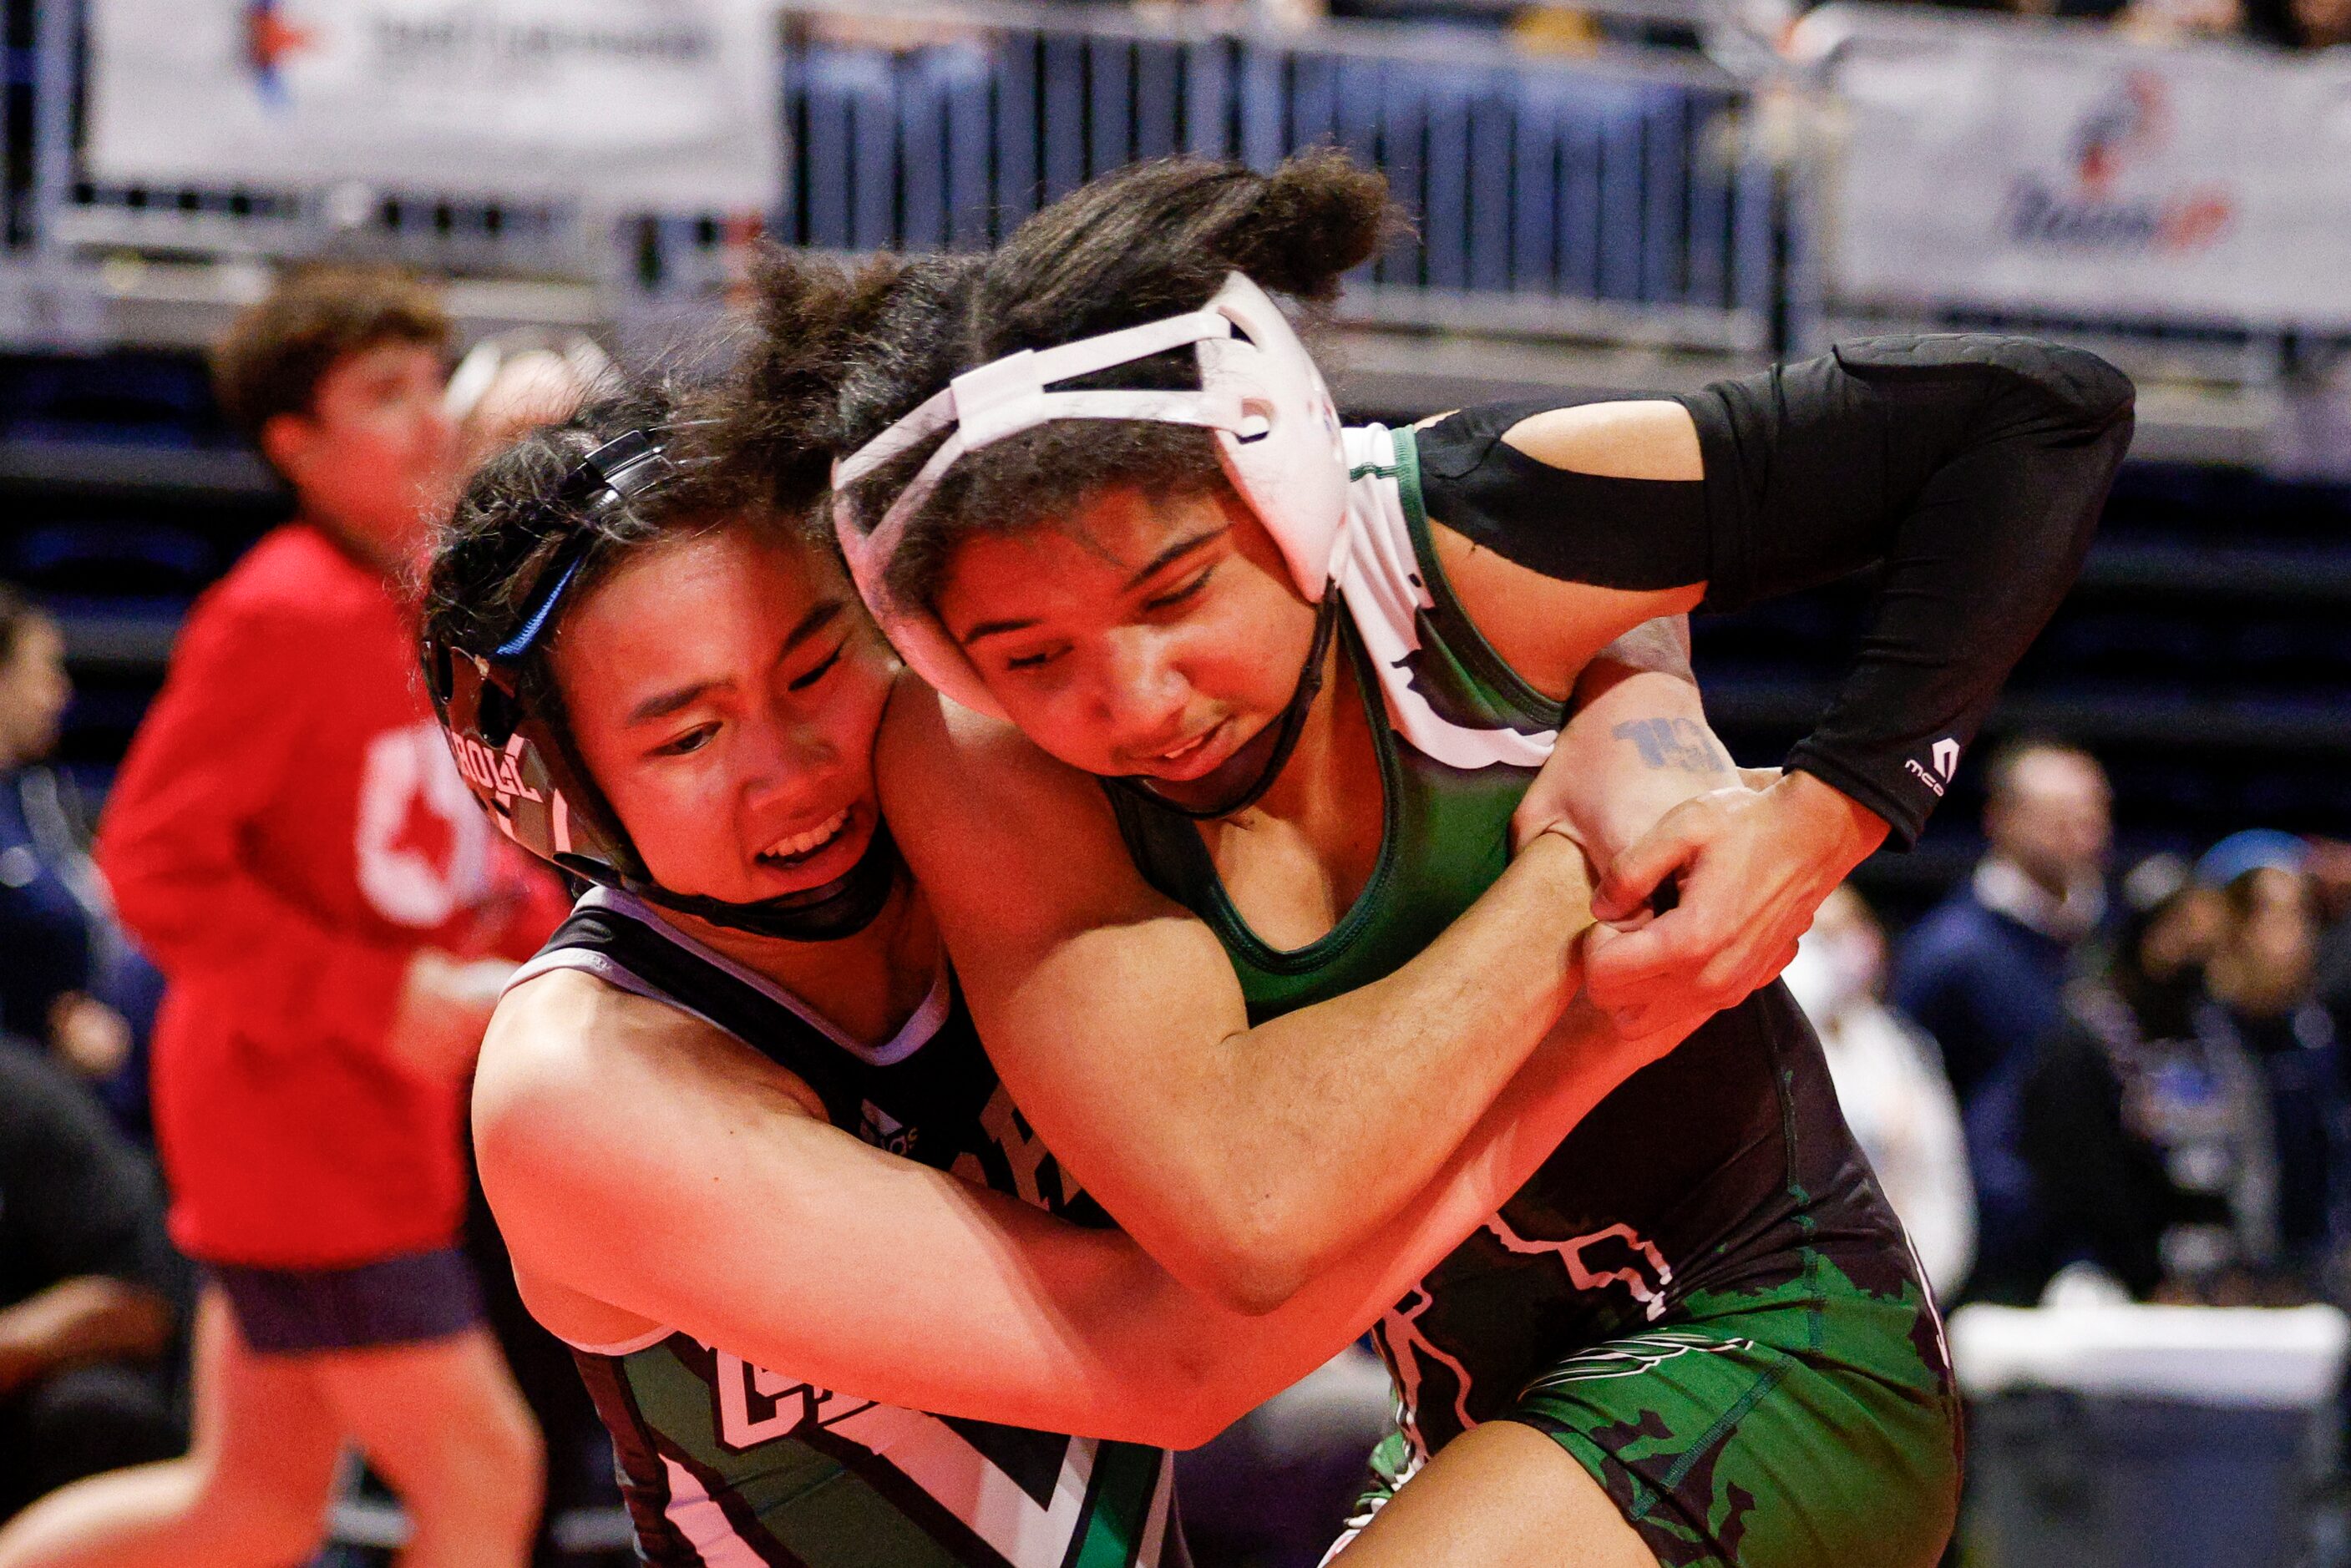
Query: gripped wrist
x,y
1557,846
1555,854
1846,831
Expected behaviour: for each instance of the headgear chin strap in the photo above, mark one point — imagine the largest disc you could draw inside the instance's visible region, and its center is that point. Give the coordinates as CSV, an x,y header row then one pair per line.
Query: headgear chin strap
x,y
1276,435
521,765
1238,782
840,908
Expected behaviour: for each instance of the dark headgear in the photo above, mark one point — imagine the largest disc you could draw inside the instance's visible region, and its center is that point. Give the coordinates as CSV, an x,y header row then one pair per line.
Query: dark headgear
x,y
521,765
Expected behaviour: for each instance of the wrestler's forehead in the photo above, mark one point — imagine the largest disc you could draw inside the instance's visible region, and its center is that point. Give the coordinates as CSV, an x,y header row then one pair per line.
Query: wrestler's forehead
x,y
1106,548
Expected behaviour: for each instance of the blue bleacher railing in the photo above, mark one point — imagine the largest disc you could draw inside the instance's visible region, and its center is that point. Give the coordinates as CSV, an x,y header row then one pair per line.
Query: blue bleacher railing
x,y
1630,197
1578,197
1606,199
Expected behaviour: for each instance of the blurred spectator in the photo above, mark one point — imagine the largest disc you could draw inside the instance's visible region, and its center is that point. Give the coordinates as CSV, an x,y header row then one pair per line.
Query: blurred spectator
x,y
47,937
72,980
513,382
2263,979
1985,973
2186,1126
1890,1083
54,926
2148,1131
87,1290
2178,21
290,836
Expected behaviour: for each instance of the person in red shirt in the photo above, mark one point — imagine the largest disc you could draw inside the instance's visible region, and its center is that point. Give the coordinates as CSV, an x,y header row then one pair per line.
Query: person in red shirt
x,y
291,841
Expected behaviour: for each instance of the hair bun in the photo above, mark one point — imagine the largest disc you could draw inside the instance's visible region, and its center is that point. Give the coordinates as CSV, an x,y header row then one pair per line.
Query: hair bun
x,y
1318,216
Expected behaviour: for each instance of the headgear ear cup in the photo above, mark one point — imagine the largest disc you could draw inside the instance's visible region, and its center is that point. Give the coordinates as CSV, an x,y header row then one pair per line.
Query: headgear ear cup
x,y
519,765
916,633
520,774
513,760
1294,474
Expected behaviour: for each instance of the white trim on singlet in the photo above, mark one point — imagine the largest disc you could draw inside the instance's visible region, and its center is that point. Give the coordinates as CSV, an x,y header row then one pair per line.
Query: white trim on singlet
x,y
1162,1510
1380,575
911,1036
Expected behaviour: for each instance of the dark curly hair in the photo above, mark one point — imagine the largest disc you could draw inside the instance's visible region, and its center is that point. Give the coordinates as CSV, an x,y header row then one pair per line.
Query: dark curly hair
x,y
520,513
841,355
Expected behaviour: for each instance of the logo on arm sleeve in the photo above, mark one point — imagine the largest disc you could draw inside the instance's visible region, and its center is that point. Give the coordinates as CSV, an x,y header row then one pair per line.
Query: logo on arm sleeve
x,y
1946,758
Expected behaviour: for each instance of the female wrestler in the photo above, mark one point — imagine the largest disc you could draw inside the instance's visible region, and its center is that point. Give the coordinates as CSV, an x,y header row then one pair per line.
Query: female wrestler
x,y
733,1119
1096,489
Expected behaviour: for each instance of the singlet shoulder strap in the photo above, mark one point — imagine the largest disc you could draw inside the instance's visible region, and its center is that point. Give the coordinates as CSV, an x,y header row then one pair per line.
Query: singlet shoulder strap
x,y
1148,833
1448,694
623,942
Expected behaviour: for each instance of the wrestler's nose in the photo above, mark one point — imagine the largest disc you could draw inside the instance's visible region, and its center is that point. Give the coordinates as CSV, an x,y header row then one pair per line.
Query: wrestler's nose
x,y
1140,691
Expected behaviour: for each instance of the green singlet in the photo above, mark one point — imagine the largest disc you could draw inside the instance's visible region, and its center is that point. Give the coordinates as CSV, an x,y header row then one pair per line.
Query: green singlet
x,y
1701,1296
728,1465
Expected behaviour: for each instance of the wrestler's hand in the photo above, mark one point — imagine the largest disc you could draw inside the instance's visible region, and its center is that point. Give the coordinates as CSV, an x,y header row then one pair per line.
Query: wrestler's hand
x,y
1750,867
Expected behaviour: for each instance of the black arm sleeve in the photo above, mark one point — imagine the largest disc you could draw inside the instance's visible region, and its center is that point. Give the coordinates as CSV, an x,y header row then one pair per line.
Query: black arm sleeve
x,y
1973,468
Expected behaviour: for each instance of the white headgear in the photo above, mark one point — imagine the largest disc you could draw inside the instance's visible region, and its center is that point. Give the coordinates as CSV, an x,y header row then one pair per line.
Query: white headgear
x,y
1277,437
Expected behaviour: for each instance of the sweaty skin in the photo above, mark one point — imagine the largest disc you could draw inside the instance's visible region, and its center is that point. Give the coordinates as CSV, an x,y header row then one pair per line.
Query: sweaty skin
x,y
1756,863
1245,1157
757,1225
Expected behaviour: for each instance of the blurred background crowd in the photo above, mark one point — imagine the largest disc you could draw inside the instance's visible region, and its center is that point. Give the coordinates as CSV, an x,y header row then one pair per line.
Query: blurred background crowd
x,y
2092,1033
2278,24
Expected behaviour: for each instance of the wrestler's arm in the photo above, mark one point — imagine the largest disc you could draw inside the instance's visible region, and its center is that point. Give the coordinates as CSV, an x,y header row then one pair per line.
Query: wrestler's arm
x,y
1636,744
1773,855
649,1171
1971,470
1247,1159
1636,749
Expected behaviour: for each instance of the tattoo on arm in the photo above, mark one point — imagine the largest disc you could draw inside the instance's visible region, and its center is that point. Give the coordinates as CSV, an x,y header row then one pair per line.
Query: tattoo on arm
x,y
1680,744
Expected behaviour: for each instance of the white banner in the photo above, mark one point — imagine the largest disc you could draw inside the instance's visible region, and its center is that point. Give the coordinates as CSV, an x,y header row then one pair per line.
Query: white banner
x,y
2003,166
670,105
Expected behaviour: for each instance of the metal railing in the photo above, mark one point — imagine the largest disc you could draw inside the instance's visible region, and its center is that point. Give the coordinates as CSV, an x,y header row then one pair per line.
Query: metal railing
x,y
1625,198
1601,199
1584,197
